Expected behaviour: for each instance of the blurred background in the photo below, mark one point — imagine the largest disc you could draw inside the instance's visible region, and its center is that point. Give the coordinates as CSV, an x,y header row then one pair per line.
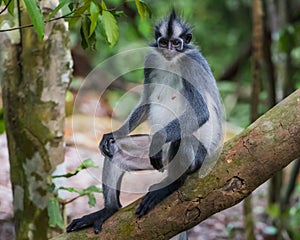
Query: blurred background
x,y
224,32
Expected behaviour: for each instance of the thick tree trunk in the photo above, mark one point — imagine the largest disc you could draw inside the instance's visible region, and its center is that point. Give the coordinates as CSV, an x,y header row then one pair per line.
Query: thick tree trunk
x,y
35,77
247,161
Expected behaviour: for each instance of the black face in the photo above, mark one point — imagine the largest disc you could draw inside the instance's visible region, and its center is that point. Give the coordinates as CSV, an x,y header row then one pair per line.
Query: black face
x,y
171,44
172,36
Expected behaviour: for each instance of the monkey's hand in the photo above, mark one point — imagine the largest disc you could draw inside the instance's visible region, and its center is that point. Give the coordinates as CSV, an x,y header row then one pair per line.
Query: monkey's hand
x,y
105,144
155,151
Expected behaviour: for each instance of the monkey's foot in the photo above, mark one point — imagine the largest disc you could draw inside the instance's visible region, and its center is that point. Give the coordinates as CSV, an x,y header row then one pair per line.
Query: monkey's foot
x,y
94,220
152,198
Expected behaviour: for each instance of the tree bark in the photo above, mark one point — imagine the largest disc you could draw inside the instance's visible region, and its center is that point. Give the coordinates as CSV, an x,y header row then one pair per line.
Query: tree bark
x,y
247,161
35,77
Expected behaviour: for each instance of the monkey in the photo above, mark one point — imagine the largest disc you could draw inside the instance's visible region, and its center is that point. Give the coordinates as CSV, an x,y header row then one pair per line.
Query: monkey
x,y
181,101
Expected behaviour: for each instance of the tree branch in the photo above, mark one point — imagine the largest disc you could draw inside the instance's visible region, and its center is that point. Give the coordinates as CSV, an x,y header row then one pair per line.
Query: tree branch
x,y
234,68
247,161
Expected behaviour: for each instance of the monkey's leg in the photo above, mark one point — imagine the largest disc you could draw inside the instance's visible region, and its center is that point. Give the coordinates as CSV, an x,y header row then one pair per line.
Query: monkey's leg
x,y
111,179
128,155
182,161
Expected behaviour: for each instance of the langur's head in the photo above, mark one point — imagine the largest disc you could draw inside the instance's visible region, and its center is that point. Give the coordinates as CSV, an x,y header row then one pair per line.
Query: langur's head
x,y
172,36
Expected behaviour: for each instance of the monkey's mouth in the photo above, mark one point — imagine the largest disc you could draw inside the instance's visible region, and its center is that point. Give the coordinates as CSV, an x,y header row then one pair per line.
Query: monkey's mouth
x,y
168,54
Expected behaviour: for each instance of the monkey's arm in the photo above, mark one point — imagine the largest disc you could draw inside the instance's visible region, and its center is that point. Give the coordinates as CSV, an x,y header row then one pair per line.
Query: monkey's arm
x,y
138,115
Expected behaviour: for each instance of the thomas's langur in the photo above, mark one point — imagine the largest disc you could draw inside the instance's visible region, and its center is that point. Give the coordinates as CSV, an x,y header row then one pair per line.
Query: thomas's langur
x,y
182,103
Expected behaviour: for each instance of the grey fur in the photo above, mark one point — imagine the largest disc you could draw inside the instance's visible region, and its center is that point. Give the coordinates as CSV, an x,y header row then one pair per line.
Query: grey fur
x,y
182,103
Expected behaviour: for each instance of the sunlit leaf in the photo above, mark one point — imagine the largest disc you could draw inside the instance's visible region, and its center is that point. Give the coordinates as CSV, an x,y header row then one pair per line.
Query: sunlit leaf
x,y
103,5
110,27
36,16
94,13
54,213
10,7
143,9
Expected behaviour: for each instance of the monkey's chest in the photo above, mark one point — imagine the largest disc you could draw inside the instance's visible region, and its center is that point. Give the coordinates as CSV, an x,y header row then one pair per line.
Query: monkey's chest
x,y
167,103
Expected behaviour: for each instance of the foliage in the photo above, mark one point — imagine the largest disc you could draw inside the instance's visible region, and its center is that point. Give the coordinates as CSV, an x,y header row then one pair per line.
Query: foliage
x,y
88,163
88,14
289,219
36,16
56,205
54,213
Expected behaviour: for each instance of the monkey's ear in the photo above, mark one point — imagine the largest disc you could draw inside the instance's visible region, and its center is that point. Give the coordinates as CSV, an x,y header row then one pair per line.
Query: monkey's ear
x,y
188,38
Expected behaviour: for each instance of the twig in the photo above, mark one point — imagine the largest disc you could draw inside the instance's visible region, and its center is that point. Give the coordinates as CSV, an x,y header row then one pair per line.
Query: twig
x,y
6,6
31,25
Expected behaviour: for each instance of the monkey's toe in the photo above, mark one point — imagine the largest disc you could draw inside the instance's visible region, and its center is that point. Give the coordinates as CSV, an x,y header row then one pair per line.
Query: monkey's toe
x,y
149,201
78,224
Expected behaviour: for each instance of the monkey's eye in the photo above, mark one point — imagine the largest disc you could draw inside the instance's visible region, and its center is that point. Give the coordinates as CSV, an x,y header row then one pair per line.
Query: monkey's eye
x,y
177,43
162,42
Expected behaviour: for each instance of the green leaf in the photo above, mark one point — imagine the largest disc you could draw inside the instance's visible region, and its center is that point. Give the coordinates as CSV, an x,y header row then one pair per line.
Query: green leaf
x,y
93,189
54,213
82,192
85,192
103,5
11,6
94,13
60,5
36,16
2,124
110,27
77,15
87,163
87,40
143,9
70,189
92,200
